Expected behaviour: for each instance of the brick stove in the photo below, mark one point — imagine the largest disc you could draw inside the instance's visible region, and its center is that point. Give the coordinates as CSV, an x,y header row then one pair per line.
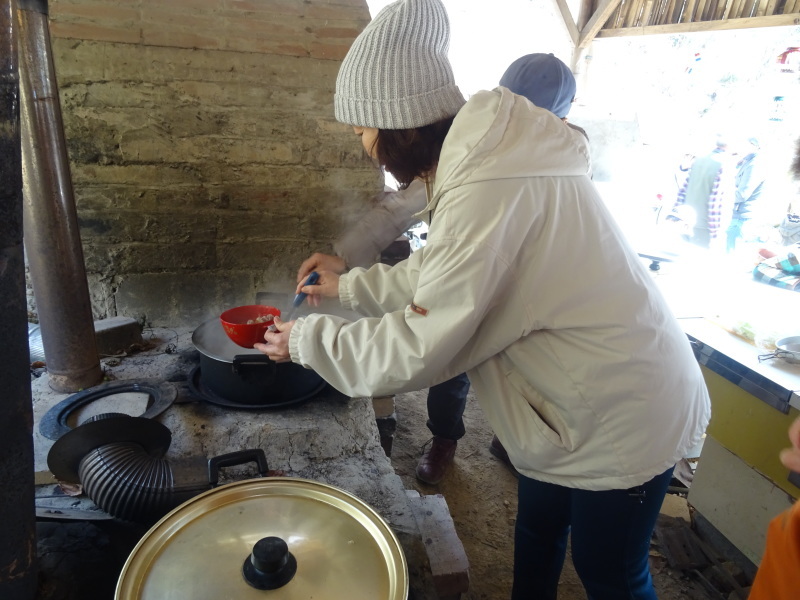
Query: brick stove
x,y
328,438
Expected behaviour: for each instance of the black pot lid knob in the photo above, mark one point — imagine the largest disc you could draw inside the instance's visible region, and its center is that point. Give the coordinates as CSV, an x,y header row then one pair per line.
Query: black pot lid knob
x,y
270,565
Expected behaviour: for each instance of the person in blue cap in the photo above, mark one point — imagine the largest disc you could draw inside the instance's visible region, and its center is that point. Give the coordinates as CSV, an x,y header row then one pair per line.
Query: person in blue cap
x,y
548,83
544,80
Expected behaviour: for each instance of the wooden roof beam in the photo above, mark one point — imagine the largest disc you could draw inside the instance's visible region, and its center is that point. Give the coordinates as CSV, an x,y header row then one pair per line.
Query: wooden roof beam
x,y
596,22
569,21
584,13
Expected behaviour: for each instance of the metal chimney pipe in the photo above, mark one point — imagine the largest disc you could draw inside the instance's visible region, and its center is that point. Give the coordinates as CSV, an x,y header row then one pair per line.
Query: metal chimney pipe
x,y
52,237
18,564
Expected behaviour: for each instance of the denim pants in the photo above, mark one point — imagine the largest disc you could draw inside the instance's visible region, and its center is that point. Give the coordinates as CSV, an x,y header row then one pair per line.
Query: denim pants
x,y
446,403
734,233
610,532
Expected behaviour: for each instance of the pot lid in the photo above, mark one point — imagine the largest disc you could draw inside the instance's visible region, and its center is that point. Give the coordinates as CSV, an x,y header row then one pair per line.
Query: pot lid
x,y
210,339
276,537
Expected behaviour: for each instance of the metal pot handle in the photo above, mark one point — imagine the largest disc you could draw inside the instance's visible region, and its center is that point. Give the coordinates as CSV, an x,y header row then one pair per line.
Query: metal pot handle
x,y
255,368
236,458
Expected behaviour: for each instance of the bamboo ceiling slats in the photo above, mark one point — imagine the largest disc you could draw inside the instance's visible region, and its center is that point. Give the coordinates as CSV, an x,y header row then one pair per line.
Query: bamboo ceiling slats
x,y
688,14
693,15
648,11
614,18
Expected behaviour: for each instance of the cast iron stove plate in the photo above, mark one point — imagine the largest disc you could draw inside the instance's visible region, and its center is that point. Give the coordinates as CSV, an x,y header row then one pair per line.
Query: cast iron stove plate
x,y
161,396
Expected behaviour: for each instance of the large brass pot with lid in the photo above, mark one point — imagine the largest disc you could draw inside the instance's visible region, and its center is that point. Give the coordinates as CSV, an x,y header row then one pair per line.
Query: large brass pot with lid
x,y
271,538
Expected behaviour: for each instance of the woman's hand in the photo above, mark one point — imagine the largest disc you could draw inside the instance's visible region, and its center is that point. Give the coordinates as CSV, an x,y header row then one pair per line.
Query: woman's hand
x,y
790,457
276,345
327,286
320,262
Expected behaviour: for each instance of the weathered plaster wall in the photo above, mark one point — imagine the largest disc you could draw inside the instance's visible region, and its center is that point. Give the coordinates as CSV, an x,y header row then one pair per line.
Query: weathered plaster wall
x,y
205,158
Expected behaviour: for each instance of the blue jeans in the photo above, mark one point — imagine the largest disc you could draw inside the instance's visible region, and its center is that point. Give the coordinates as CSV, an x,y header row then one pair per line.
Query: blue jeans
x,y
734,233
446,403
610,530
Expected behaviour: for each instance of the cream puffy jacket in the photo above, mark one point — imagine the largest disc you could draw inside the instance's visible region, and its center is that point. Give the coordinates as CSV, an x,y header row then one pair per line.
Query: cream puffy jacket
x,y
527,283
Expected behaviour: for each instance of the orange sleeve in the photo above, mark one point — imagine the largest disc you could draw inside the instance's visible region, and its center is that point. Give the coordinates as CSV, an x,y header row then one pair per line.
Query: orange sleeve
x,y
778,575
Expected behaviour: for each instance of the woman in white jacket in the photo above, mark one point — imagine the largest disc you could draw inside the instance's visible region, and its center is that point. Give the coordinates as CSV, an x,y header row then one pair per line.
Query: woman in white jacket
x,y
528,285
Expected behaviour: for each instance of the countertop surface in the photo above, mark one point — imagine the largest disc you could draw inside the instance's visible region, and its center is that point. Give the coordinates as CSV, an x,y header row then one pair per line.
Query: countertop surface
x,y
784,375
711,303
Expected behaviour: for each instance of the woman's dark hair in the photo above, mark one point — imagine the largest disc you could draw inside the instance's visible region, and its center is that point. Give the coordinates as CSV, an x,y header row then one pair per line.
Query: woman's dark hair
x,y
411,153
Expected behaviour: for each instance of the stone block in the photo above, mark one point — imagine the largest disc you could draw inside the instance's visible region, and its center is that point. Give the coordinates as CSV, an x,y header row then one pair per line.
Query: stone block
x,y
116,334
448,561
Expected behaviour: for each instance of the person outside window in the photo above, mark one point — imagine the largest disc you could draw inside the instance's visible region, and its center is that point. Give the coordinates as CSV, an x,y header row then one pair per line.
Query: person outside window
x,y
705,200
747,222
547,82
528,285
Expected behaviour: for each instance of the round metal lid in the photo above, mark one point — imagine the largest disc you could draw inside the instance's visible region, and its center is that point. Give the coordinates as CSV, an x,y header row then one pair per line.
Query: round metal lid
x,y
201,550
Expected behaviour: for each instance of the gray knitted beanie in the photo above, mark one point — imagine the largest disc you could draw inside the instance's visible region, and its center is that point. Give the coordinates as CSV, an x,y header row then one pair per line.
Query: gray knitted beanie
x,y
396,74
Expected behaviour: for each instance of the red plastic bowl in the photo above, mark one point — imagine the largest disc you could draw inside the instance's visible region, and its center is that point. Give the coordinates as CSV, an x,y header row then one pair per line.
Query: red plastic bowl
x,y
243,333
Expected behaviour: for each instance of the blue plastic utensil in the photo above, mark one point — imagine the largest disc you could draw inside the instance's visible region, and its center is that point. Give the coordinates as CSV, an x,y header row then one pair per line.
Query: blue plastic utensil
x,y
298,299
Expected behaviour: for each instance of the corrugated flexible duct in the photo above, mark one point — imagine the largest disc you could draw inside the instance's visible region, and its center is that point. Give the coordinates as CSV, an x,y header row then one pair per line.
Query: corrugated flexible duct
x,y
119,461
128,483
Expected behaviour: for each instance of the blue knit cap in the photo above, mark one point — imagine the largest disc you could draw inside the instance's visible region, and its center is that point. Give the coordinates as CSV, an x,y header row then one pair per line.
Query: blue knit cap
x,y
544,80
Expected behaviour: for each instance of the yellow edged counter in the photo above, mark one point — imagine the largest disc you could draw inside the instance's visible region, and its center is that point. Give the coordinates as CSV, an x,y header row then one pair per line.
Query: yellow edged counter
x,y
740,483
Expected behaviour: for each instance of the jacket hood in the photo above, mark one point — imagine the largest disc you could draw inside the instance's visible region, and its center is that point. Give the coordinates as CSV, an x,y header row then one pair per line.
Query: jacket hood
x,y
501,135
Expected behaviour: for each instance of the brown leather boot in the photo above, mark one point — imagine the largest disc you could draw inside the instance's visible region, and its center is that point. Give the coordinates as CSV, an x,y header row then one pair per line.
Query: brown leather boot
x,y
496,448
435,459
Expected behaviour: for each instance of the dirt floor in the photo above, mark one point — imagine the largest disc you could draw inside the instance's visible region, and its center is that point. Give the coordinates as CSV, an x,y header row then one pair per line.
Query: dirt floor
x,y
481,494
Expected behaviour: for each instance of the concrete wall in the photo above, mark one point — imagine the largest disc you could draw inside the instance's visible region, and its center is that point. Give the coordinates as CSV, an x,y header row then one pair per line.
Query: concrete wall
x,y
205,158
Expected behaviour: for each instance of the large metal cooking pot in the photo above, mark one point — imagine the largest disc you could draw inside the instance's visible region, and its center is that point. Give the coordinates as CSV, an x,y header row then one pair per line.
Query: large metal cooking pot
x,y
247,378
279,537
